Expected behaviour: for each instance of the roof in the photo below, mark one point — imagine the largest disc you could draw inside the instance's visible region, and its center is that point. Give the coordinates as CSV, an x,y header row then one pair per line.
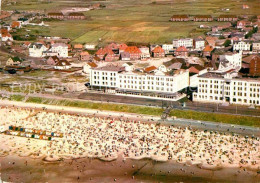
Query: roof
x,y
180,16
76,14
122,46
208,48
132,49
15,24
149,69
176,65
92,64
55,14
60,44
78,46
181,49
62,63
54,58
158,49
103,51
203,16
111,68
84,53
112,46
227,16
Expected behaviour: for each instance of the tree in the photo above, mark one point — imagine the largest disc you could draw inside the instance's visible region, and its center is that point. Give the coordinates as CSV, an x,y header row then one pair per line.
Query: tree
x,y
227,43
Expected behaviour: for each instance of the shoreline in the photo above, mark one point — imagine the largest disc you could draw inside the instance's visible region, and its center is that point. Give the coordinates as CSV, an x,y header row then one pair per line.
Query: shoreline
x,y
93,170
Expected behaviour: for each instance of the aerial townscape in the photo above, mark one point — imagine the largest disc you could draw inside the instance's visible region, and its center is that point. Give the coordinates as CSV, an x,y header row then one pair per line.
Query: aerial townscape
x,y
111,91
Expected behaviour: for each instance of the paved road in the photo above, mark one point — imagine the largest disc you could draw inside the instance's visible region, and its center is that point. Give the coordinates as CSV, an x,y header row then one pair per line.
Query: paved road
x,y
204,107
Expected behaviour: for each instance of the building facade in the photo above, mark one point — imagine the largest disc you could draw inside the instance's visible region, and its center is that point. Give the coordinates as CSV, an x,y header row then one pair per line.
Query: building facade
x,y
225,88
117,78
241,46
188,43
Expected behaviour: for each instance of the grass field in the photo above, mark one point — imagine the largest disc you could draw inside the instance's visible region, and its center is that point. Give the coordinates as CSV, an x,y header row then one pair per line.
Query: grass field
x,y
186,114
133,21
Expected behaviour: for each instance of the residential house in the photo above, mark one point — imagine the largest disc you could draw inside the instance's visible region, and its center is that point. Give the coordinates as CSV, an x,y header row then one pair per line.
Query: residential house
x,y
202,18
7,37
256,46
150,69
88,66
111,56
134,52
12,62
181,51
241,24
84,56
227,18
61,49
37,49
145,52
199,44
179,18
122,47
52,60
90,46
78,47
254,69
56,15
113,46
128,66
102,52
16,25
62,65
158,52
167,48
76,16
125,56
241,45
211,41
187,42
207,51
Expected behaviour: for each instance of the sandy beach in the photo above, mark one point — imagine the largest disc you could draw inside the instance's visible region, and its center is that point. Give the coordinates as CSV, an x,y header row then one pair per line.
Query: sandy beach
x,y
137,150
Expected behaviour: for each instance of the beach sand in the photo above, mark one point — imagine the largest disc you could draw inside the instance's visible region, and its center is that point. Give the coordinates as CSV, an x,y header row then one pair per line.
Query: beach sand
x,y
103,149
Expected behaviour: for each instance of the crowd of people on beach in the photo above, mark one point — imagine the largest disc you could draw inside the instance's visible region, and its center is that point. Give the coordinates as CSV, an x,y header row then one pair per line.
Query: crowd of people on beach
x,y
107,139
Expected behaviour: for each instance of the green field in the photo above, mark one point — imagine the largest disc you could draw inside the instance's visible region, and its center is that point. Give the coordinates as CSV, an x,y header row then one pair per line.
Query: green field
x,y
186,114
144,21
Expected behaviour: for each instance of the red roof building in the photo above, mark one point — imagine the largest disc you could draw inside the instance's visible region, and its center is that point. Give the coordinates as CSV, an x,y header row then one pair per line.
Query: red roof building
x,y
207,51
84,56
158,52
134,52
181,51
105,52
179,18
150,69
56,15
15,25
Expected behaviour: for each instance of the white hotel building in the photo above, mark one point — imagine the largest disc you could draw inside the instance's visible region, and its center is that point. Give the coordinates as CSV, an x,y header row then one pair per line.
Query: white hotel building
x,y
228,88
152,85
187,42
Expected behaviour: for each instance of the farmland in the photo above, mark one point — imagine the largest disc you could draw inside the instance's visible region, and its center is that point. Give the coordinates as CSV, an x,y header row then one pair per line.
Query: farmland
x,y
133,21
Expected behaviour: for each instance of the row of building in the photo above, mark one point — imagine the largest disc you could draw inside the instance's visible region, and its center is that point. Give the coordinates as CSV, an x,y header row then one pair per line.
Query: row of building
x,y
203,18
69,16
168,81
